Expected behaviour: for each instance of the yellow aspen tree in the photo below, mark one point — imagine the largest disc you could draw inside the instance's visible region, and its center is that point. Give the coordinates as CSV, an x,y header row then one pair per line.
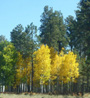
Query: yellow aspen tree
x,y
58,64
18,69
23,70
27,69
42,63
55,64
69,67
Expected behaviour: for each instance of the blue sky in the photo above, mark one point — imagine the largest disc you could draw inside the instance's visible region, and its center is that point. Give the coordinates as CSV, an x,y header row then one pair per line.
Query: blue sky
x,y
14,12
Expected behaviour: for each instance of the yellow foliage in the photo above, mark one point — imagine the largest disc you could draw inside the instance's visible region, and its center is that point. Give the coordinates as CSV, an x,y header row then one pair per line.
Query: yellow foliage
x,y
48,65
64,66
69,67
42,66
54,63
23,69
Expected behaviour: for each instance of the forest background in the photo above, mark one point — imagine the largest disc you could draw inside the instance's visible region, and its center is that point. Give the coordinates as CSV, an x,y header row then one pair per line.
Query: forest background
x,y
56,60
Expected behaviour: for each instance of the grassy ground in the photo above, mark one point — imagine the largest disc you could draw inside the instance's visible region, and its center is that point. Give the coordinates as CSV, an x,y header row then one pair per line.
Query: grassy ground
x,y
40,96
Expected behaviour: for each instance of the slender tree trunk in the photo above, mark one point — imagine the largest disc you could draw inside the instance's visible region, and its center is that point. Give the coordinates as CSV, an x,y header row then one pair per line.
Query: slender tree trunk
x,y
11,88
62,90
30,82
87,83
49,86
82,87
3,88
17,89
44,89
28,88
57,85
32,74
41,88
22,87
71,47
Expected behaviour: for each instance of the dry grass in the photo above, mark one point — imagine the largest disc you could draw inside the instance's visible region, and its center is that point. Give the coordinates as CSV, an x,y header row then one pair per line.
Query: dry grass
x,y
34,95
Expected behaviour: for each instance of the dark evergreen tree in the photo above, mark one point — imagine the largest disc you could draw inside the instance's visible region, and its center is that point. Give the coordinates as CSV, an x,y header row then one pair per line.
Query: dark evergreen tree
x,y
52,28
32,40
83,21
71,31
83,36
26,42
23,40
18,38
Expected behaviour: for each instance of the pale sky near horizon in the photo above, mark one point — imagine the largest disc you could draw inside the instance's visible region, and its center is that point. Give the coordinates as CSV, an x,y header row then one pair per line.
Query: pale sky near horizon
x,y
14,12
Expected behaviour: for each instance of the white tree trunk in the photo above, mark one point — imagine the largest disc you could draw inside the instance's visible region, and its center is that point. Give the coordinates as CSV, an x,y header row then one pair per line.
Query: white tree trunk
x,y
41,88
3,88
22,87
44,88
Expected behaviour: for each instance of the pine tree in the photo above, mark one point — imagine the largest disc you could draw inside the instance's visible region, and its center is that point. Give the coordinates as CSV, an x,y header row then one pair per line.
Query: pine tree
x,y
71,31
52,28
83,21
